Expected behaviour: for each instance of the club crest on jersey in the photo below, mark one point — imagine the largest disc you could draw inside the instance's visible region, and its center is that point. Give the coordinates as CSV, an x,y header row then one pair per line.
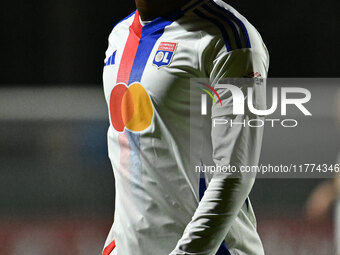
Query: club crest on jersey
x,y
164,54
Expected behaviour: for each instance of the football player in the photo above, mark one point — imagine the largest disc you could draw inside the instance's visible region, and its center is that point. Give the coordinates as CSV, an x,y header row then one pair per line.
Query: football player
x,y
162,206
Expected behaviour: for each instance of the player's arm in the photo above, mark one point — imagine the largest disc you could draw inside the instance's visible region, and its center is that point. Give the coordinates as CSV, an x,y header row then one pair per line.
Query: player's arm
x,y
237,146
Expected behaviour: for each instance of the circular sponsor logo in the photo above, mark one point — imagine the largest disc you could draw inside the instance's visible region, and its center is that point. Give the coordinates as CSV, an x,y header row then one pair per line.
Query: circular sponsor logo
x,y
130,107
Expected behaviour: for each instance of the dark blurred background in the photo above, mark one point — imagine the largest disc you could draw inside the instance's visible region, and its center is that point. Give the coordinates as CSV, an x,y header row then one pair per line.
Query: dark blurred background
x,y
56,182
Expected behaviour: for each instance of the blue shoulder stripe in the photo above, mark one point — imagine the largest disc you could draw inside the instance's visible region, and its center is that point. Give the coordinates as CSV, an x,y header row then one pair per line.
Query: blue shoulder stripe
x,y
230,24
219,25
237,20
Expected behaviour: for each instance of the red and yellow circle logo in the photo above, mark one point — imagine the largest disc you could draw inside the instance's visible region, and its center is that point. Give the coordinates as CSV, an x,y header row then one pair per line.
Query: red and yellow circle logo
x,y
130,107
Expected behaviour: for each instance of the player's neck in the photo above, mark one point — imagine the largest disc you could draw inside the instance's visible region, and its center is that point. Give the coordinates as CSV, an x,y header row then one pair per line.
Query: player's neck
x,y
151,9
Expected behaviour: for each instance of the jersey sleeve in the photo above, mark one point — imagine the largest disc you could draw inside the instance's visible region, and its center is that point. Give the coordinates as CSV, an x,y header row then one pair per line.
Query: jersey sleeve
x,y
235,146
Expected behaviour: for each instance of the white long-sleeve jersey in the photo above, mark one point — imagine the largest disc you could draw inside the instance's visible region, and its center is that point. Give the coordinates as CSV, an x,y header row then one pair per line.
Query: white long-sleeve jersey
x,y
159,208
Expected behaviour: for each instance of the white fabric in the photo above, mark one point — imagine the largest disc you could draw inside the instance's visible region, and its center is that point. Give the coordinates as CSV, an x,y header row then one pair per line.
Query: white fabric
x,y
157,211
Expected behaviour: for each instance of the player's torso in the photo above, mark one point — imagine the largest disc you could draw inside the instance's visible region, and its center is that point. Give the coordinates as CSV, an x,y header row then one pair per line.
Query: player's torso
x,y
147,88
148,75
161,61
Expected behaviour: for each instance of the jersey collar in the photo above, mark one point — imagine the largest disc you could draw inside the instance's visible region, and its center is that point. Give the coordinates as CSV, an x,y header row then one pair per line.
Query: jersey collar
x,y
155,26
